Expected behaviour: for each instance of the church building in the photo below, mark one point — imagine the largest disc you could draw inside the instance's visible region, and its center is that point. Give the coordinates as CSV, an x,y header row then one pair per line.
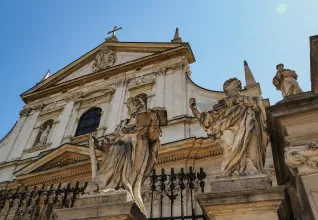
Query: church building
x,y
49,144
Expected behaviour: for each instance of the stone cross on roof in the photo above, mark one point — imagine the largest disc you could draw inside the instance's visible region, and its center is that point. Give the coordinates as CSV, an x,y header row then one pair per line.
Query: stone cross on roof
x,y
113,32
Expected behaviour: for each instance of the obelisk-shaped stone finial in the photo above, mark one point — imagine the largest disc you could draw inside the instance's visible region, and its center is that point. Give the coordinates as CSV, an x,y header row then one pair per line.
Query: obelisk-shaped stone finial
x,y
176,38
47,75
249,78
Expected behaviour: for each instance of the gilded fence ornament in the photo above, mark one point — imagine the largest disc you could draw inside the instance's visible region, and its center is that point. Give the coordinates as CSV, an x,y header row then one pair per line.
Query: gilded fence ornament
x,y
129,154
239,123
285,80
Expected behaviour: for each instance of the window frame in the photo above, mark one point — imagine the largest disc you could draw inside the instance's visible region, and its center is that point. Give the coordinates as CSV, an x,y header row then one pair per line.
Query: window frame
x,y
84,125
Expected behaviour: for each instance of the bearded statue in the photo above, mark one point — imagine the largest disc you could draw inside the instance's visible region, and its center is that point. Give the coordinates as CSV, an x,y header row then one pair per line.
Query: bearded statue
x,y
238,122
130,153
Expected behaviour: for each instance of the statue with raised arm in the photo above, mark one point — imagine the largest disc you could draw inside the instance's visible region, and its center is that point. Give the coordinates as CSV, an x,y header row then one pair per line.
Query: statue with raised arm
x,y
129,154
285,80
239,123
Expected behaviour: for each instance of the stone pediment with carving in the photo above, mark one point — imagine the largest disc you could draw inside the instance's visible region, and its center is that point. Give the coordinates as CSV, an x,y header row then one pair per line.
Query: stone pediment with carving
x,y
62,157
105,59
108,59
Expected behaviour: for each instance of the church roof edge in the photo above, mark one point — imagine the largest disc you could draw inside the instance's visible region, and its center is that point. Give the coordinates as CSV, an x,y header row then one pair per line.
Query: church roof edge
x,y
154,46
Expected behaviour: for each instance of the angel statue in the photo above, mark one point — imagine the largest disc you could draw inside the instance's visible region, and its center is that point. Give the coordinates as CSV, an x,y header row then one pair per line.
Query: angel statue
x,y
285,80
239,123
130,153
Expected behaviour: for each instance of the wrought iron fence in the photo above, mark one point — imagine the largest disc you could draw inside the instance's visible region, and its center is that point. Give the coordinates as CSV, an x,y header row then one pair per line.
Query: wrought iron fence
x,y
37,203
176,186
167,189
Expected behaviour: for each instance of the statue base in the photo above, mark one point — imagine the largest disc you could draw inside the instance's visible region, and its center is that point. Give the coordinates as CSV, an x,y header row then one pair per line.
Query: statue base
x,y
114,205
237,183
244,198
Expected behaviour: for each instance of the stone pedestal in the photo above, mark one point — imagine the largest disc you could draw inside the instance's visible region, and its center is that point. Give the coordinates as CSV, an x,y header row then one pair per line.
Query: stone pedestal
x,y
243,198
292,124
111,206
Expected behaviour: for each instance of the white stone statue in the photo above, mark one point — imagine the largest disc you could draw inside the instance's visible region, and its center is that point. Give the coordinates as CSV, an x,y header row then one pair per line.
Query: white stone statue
x,y
285,80
239,123
45,134
130,153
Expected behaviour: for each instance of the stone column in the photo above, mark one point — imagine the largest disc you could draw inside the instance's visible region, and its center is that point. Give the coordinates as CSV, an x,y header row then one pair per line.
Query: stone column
x,y
70,130
103,121
115,112
244,198
25,132
160,87
7,148
63,122
179,91
117,205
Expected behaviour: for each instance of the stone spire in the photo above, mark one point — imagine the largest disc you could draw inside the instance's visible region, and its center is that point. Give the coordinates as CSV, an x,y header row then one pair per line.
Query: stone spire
x,y
249,78
47,75
176,38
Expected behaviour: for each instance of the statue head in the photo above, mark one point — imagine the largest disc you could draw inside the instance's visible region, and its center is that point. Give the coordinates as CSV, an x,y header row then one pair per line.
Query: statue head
x,y
135,104
280,67
232,86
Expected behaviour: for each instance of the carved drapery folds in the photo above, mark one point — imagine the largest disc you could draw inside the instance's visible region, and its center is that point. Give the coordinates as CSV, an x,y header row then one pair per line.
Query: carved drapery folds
x,y
285,80
296,156
136,141
104,59
239,123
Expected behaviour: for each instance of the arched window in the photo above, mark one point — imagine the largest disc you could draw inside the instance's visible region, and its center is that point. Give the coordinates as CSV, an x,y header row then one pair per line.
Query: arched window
x,y
89,121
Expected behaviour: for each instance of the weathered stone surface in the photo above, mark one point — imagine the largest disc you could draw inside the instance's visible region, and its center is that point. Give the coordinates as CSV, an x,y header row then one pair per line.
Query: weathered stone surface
x,y
104,205
103,198
285,80
261,204
291,124
233,184
239,123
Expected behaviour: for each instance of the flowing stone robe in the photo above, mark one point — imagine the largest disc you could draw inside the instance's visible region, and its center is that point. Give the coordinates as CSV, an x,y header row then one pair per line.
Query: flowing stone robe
x,y
131,157
240,125
286,81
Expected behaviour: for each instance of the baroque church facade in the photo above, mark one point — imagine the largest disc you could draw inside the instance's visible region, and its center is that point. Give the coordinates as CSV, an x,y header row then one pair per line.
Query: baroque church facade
x,y
49,142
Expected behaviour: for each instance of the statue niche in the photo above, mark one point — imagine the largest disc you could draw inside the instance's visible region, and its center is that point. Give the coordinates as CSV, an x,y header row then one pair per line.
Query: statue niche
x,y
44,133
130,153
239,123
285,80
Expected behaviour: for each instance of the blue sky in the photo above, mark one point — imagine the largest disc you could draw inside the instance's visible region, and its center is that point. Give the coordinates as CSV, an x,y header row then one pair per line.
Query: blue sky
x,y
41,35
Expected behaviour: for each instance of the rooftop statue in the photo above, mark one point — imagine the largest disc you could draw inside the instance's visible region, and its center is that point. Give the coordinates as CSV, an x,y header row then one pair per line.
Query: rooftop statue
x,y
129,154
239,123
285,80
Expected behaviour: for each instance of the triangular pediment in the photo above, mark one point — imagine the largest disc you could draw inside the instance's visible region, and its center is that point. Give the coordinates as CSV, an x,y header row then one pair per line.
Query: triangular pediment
x,y
119,58
106,60
65,155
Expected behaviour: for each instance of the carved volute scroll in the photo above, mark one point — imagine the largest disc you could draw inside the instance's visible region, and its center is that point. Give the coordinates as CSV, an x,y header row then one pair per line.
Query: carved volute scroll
x,y
306,154
104,59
